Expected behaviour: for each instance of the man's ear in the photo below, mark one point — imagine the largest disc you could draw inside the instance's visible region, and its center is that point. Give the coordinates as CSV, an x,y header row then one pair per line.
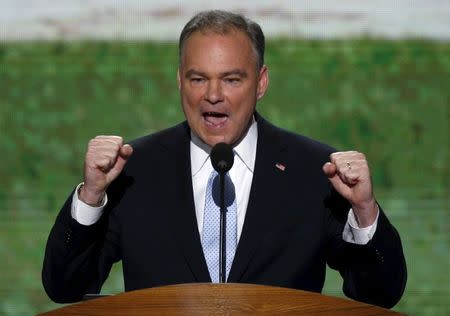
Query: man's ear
x,y
178,78
263,82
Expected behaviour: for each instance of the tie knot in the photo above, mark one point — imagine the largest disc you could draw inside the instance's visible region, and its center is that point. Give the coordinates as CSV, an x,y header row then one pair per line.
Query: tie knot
x,y
229,190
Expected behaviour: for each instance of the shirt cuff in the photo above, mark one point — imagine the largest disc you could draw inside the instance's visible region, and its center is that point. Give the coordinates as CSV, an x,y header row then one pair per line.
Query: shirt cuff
x,y
355,235
83,213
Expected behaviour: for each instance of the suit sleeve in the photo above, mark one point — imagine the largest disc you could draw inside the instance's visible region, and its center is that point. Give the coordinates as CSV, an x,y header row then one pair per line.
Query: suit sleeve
x,y
374,273
78,258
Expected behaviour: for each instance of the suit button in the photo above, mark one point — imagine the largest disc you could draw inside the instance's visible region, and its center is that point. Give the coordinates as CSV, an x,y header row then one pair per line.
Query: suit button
x,y
67,236
379,256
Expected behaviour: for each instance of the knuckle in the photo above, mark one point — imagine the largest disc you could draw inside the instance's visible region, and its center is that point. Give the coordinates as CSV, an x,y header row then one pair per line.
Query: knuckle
x,y
116,139
92,142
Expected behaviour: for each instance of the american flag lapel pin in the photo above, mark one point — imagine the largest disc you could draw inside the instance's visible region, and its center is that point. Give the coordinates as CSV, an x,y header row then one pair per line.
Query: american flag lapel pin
x,y
280,166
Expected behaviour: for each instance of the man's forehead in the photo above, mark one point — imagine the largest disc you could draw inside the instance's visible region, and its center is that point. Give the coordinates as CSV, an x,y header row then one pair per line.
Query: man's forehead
x,y
207,37
235,71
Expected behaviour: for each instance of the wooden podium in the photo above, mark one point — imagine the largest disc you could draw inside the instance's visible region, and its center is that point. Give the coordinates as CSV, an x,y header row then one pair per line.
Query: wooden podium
x,y
220,299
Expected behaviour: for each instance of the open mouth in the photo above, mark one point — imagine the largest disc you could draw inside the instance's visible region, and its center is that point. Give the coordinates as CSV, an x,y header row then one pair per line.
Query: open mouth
x,y
215,118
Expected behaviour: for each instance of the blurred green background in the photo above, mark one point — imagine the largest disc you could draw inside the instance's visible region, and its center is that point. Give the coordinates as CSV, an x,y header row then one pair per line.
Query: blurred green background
x,y
388,99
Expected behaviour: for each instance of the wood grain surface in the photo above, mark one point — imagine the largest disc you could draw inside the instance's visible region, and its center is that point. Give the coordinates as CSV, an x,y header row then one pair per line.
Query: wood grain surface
x,y
220,299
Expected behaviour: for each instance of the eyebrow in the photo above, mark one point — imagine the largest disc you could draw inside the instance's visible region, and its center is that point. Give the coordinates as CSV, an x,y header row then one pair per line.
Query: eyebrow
x,y
193,72
238,72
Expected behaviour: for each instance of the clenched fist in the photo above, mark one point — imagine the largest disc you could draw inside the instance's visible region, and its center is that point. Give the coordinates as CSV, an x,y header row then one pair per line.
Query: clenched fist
x,y
349,174
105,158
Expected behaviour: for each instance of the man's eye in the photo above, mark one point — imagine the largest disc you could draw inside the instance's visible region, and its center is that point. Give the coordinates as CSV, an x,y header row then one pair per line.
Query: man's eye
x,y
232,80
197,79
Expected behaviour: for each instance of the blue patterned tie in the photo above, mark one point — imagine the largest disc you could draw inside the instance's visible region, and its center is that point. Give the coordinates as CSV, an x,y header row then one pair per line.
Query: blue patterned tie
x,y
211,225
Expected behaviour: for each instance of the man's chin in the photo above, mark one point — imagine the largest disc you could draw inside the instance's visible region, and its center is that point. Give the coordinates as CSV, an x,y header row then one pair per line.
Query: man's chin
x,y
212,141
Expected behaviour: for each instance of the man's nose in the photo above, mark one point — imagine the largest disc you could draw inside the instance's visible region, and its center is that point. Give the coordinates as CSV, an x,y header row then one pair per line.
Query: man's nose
x,y
214,93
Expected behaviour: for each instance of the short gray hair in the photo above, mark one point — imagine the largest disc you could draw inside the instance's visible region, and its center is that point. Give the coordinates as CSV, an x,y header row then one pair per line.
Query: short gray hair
x,y
222,22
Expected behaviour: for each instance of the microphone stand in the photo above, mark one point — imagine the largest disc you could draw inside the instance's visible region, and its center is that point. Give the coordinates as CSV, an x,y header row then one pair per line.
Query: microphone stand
x,y
222,159
223,223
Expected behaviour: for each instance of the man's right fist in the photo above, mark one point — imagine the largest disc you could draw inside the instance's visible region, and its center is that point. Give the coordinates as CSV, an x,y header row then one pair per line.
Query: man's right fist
x,y
105,158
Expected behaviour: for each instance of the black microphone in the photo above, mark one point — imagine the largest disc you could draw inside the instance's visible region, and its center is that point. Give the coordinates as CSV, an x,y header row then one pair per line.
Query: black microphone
x,y
222,159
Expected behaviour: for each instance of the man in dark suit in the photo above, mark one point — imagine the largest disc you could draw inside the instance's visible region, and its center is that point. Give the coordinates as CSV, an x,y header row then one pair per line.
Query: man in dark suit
x,y
298,205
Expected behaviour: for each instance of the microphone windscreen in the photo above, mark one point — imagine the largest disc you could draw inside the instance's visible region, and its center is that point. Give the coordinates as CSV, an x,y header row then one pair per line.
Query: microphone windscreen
x,y
222,157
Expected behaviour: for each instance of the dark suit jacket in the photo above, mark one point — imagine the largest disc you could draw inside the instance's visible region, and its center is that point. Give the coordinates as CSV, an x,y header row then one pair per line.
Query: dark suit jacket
x,y
293,227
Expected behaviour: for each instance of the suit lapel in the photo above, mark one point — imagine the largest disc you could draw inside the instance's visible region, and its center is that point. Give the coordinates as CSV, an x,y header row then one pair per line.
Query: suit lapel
x,y
182,208
266,183
260,210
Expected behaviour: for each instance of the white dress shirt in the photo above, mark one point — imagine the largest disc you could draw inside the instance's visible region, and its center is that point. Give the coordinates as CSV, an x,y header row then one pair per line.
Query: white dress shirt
x,y
241,174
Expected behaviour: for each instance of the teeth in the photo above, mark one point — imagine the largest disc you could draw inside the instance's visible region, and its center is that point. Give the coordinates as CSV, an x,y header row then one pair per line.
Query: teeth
x,y
214,118
215,114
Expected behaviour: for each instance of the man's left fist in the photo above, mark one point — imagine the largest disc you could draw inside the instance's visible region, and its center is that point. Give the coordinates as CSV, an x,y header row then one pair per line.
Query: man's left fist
x,y
348,172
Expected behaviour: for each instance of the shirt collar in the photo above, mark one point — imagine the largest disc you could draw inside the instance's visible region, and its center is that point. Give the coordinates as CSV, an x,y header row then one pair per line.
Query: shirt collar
x,y
245,150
